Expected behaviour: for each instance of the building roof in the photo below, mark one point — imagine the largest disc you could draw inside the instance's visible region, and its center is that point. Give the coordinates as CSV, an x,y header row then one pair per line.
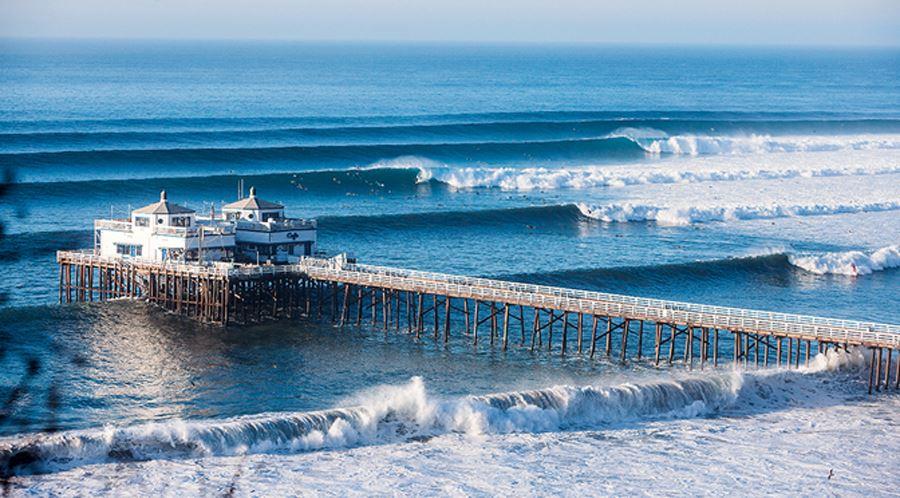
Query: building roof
x,y
252,202
163,207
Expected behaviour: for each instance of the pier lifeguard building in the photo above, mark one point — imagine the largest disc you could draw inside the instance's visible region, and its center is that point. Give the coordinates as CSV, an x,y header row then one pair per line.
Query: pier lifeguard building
x,y
263,233
248,230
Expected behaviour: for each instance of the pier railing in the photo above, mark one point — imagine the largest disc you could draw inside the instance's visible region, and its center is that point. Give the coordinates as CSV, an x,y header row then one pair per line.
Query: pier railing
x,y
631,300
87,257
605,304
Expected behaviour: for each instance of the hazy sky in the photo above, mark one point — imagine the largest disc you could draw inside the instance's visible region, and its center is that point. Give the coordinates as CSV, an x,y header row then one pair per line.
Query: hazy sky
x,y
838,22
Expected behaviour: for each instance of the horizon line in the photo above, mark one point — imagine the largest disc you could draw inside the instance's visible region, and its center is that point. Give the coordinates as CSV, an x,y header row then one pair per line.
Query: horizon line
x,y
388,41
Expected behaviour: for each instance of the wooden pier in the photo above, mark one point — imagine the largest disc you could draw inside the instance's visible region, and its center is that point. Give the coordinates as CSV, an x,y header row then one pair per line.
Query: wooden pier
x,y
503,314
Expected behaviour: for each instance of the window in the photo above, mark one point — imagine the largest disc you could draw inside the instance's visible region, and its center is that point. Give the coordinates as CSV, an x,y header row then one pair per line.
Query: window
x,y
181,221
250,216
129,250
270,216
141,221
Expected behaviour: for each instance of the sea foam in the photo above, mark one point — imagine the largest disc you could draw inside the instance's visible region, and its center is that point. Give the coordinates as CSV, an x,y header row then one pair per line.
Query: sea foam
x,y
659,142
527,179
851,263
688,215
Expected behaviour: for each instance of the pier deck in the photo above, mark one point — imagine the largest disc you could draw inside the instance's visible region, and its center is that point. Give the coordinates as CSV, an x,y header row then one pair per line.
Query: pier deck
x,y
317,287
615,305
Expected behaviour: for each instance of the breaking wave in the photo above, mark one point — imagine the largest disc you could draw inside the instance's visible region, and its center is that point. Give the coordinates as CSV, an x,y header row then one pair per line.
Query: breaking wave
x,y
395,413
851,263
385,414
463,157
689,215
595,176
659,142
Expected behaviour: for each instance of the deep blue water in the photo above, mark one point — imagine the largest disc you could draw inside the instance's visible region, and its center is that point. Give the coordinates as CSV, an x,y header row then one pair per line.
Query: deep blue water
x,y
349,134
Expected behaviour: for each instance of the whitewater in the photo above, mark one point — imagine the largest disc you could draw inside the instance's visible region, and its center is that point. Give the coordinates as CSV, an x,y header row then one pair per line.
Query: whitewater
x,y
419,440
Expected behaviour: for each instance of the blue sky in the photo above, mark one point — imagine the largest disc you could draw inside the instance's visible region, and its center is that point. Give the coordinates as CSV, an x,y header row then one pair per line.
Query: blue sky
x,y
816,22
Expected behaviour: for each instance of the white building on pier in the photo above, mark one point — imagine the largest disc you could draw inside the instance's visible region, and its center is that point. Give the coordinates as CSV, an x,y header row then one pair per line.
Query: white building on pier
x,y
248,230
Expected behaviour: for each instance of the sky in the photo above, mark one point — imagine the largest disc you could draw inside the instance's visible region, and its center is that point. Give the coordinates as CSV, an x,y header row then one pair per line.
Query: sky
x,y
747,22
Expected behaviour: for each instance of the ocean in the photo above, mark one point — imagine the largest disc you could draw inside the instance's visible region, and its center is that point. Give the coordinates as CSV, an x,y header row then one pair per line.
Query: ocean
x,y
765,178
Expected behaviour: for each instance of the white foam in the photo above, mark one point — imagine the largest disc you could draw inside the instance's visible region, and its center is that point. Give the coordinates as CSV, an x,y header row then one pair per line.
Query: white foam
x,y
851,263
688,215
782,430
659,142
387,413
834,360
583,177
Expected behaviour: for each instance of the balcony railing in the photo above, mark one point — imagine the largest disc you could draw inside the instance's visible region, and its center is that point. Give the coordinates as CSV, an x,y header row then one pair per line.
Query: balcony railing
x,y
117,225
220,228
272,225
195,230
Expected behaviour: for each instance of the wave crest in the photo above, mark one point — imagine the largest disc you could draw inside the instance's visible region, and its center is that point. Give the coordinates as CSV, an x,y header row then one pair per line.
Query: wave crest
x,y
527,179
388,413
850,263
689,215
656,141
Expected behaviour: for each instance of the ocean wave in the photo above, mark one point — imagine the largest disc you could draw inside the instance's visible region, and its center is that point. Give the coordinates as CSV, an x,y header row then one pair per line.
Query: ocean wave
x,y
396,413
850,263
38,159
443,140
689,215
179,162
384,414
526,179
659,142
378,151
